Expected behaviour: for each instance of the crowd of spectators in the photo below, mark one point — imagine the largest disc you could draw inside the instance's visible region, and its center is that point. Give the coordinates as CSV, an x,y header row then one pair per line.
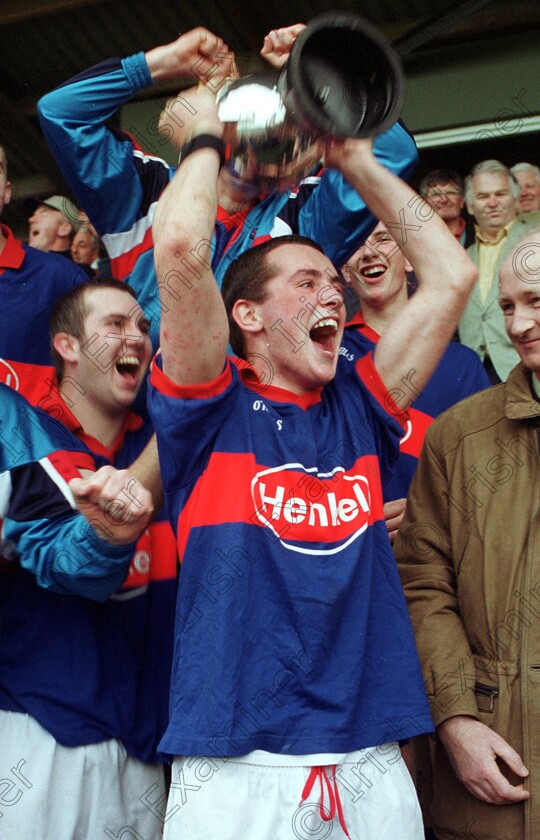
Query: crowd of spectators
x,y
138,700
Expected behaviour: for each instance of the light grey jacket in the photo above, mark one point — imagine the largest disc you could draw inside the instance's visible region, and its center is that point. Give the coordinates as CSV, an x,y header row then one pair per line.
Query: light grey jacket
x,y
482,324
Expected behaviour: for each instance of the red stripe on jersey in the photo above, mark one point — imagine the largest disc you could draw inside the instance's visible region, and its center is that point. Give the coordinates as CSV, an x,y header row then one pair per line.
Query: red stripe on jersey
x,y
124,264
166,386
366,330
33,381
68,464
164,564
260,239
293,502
369,375
415,431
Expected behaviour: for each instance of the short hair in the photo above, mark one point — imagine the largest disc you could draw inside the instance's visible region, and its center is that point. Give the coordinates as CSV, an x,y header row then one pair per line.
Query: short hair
x,y
441,176
489,166
248,276
71,310
526,167
89,231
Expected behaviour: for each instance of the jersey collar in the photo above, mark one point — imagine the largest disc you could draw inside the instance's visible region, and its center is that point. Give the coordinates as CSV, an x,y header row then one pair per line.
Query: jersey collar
x,y
13,254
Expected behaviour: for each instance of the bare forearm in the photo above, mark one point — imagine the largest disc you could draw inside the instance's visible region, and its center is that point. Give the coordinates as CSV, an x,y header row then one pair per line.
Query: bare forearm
x,y
422,236
415,339
194,329
146,470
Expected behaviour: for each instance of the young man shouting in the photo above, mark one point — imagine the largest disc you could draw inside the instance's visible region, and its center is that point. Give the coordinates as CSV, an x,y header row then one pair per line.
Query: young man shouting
x,y
294,661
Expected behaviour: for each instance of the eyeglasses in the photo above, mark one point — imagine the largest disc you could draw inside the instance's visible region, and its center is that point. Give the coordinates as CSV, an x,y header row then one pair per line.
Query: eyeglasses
x,y
439,193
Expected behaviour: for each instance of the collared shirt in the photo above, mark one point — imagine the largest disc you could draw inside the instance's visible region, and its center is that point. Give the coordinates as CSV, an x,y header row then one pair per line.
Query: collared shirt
x,y
13,254
31,282
459,233
132,423
489,251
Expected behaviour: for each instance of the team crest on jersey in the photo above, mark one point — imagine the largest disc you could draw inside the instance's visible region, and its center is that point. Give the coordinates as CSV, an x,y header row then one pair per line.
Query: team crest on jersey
x,y
8,375
312,512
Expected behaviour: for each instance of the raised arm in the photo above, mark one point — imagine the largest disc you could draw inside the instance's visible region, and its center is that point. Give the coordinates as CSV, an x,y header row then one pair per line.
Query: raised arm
x,y
196,54
110,179
194,327
334,214
414,341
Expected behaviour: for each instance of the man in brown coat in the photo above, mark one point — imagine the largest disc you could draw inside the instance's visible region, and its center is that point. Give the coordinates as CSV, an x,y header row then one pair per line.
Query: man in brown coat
x,y
469,558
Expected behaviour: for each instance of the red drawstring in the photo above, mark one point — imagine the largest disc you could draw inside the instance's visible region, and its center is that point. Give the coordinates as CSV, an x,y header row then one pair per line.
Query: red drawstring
x,y
326,814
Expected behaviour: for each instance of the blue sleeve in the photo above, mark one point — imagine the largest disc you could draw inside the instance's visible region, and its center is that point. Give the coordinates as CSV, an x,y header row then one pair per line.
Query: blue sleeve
x,y
336,216
55,543
97,162
68,557
459,374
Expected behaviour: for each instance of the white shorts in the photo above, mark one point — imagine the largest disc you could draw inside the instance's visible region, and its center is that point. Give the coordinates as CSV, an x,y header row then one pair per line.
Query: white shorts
x,y
228,799
50,792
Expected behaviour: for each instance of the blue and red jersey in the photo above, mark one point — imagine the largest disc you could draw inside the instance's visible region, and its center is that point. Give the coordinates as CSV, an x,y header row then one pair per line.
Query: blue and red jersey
x,y
459,374
38,519
31,282
86,643
292,633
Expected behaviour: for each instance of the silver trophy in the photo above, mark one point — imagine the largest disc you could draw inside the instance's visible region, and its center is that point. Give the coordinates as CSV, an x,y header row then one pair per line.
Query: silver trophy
x,y
342,79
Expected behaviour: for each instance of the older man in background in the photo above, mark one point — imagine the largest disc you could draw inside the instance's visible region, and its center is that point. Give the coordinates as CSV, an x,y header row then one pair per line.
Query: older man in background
x,y
491,193
528,177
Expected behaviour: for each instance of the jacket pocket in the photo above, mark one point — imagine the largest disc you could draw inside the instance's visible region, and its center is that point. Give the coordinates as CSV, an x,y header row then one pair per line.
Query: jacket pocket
x,y
486,696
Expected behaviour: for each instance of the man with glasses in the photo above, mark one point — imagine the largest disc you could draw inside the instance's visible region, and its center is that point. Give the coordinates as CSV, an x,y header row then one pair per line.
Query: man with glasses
x,y
445,191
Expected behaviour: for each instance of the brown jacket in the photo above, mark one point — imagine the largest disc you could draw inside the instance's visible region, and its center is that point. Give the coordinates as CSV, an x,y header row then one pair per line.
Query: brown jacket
x,y
469,557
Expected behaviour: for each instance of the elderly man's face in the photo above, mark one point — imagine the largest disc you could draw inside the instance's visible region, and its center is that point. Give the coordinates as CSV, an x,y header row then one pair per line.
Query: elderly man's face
x,y
529,197
492,204
519,299
447,200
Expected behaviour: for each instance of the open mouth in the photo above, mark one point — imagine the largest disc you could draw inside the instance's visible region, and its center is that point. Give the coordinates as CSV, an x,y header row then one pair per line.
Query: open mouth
x,y
324,333
373,272
128,367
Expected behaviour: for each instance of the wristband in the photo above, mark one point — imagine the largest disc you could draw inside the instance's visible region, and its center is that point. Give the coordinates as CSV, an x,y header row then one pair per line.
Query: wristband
x,y
204,141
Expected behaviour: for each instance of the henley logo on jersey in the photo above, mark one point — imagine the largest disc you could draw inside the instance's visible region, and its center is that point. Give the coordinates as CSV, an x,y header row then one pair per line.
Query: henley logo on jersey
x,y
312,512
8,375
